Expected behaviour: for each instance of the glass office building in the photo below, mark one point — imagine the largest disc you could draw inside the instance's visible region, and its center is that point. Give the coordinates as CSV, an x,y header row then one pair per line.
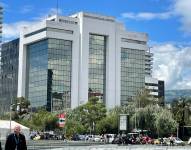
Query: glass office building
x,y
132,73
1,22
9,73
65,60
97,66
49,74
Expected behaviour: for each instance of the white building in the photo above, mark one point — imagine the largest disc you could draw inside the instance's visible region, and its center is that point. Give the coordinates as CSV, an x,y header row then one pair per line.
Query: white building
x,y
63,60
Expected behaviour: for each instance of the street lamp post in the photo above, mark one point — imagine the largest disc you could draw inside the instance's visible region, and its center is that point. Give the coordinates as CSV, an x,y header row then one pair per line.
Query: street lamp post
x,y
10,117
11,97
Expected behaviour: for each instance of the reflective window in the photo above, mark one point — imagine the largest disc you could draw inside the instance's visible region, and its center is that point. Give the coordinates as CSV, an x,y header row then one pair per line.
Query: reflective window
x,y
60,67
97,66
9,57
37,73
49,74
132,73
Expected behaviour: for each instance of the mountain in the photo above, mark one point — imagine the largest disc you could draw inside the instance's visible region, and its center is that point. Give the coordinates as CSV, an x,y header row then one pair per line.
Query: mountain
x,y
172,94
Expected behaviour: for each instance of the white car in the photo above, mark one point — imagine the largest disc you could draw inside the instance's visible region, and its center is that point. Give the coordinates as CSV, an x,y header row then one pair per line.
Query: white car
x,y
178,141
97,138
189,141
89,138
111,137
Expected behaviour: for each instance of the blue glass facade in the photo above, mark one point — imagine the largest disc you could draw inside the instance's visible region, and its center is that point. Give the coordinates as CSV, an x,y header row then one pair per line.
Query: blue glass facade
x,y
9,55
97,66
132,73
49,74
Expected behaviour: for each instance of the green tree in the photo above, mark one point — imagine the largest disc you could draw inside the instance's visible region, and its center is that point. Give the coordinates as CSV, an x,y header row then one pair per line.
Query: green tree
x,y
72,127
90,113
108,124
22,104
143,99
145,117
165,123
181,110
43,120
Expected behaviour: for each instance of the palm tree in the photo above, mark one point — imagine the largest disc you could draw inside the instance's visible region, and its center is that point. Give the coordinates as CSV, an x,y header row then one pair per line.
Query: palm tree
x,y
181,111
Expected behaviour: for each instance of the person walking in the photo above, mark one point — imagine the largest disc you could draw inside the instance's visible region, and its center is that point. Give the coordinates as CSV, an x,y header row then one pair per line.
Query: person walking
x,y
171,140
16,140
0,146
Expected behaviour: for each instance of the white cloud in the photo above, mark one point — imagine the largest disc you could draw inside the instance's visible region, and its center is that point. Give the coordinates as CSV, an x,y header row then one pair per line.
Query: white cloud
x,y
182,8
179,8
51,12
12,30
173,65
147,15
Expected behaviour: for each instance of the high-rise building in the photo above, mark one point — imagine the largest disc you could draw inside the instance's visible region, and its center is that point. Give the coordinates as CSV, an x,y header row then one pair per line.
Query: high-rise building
x,y
148,63
155,86
9,73
161,91
65,60
1,22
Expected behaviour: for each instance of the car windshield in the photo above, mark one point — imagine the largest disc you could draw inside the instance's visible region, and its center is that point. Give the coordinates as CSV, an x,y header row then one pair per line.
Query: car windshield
x,y
178,139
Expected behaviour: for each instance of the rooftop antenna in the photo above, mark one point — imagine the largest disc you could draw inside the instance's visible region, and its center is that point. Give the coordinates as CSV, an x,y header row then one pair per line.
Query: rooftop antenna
x,y
57,8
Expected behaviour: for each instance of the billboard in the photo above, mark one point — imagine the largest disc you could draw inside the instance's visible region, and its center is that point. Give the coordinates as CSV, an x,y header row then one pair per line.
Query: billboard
x,y
123,118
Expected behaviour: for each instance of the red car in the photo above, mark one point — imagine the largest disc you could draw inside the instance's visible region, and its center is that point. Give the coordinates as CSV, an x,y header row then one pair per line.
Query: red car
x,y
147,140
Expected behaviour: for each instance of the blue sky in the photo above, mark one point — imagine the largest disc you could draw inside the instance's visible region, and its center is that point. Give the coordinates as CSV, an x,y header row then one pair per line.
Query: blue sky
x,y
168,23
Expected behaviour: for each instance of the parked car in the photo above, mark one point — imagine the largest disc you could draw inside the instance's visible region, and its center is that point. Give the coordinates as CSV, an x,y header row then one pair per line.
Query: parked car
x,y
157,141
97,138
89,138
37,137
117,140
189,141
147,140
82,137
75,137
162,141
178,141
123,139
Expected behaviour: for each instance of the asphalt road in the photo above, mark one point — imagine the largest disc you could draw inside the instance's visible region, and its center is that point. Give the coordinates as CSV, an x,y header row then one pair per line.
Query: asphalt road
x,y
71,145
81,145
116,147
129,147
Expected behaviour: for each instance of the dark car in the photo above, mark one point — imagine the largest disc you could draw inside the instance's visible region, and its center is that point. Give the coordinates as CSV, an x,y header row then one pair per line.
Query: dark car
x,y
75,137
121,140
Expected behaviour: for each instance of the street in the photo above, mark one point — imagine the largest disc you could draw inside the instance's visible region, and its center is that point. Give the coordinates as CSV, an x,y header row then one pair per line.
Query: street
x,y
73,145
116,147
81,145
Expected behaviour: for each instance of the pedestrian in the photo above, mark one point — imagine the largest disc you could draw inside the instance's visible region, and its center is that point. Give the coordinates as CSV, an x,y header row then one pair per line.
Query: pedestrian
x,y
16,140
0,146
171,140
161,141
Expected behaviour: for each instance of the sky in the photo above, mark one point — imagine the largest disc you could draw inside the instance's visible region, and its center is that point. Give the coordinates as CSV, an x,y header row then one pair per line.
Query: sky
x,y
167,22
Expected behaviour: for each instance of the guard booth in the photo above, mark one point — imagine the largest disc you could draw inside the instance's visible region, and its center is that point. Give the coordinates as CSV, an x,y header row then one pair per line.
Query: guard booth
x,y
6,127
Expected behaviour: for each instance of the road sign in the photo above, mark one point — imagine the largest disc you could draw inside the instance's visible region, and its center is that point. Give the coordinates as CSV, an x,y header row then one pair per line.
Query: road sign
x,y
61,119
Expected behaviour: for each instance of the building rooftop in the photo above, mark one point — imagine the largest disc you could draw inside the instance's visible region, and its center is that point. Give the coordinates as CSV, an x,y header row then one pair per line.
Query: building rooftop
x,y
94,16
